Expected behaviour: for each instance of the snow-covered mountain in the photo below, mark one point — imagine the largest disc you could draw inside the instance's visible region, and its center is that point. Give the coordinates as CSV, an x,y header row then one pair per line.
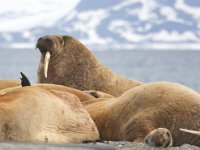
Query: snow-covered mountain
x,y
104,24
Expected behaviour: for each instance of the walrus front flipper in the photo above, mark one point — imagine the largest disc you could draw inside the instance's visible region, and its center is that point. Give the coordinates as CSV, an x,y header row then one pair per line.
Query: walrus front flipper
x,y
24,80
160,137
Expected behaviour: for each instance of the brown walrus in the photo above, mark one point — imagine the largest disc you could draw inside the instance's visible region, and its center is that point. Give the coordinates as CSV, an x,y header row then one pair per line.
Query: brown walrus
x,y
46,115
142,109
66,61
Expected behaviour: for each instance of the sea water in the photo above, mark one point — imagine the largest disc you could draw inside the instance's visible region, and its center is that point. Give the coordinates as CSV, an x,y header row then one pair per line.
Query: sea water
x,y
144,65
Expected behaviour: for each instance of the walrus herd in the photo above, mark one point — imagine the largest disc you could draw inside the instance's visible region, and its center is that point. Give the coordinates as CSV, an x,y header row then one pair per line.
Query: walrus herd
x,y
77,99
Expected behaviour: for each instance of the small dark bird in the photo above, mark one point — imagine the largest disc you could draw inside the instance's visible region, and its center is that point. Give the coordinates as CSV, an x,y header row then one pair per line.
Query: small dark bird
x,y
24,80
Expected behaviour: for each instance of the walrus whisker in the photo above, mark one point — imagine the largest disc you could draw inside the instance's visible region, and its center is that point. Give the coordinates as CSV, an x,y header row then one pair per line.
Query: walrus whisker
x,y
46,63
24,80
190,131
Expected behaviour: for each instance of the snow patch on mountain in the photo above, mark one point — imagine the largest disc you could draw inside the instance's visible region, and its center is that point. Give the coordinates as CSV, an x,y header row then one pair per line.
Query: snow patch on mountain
x,y
85,23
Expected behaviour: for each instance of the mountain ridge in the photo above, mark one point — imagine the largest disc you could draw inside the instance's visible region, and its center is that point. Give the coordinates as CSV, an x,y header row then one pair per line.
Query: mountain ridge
x,y
104,25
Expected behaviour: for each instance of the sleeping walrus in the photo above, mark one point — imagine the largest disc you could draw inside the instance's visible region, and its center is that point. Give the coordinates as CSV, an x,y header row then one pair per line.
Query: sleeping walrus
x,y
139,113
151,113
46,115
66,61
54,107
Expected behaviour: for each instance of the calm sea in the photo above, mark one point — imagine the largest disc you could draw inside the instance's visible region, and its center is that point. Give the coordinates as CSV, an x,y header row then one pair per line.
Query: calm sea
x,y
146,66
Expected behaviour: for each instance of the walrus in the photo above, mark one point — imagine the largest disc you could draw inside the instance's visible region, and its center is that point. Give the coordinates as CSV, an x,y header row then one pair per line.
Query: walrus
x,y
139,116
66,61
64,93
36,114
145,108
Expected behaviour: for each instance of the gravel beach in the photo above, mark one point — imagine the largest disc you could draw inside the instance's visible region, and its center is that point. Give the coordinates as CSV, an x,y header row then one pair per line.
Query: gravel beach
x,y
97,146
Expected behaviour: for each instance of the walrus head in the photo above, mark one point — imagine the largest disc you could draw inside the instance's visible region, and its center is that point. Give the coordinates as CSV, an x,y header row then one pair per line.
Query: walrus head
x,y
66,61
49,46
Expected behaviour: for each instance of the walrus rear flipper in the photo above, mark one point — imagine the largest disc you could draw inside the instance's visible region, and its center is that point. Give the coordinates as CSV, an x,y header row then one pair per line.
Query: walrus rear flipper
x,y
24,80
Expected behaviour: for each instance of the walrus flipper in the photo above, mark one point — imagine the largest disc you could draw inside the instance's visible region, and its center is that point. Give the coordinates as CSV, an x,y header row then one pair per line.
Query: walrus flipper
x,y
24,80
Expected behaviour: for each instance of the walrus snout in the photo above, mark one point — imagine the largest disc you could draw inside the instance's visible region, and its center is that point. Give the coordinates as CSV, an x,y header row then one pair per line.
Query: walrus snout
x,y
45,44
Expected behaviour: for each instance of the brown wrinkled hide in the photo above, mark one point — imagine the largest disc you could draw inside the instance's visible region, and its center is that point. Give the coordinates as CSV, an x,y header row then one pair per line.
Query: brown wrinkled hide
x,y
73,65
142,109
44,114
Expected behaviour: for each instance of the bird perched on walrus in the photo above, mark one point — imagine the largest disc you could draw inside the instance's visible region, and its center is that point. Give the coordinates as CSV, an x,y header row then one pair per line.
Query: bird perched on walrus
x,y
66,61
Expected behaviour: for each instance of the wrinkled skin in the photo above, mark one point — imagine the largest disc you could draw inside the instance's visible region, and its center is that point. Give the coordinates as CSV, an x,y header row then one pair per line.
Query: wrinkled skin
x,y
137,115
72,64
45,114
134,114
142,109
23,97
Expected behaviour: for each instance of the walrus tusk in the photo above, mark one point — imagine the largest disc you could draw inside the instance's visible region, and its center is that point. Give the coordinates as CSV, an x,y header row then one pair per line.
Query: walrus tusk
x,y
190,131
46,63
